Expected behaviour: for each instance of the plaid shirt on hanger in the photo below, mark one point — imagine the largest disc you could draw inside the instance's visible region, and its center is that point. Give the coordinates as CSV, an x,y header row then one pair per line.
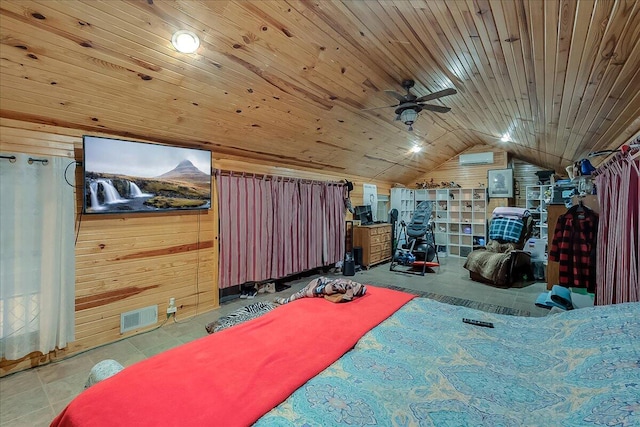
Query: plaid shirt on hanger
x,y
574,248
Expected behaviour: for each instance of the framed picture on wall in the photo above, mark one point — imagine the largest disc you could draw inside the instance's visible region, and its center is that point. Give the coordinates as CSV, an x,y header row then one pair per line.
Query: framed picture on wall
x,y
500,182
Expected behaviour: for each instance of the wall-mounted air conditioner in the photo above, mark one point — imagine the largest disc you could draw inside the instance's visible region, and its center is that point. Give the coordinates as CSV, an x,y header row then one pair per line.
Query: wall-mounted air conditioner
x,y
476,159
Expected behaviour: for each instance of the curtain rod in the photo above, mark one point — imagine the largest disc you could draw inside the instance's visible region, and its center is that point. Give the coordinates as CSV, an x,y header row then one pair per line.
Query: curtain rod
x,y
220,172
31,160
630,154
12,159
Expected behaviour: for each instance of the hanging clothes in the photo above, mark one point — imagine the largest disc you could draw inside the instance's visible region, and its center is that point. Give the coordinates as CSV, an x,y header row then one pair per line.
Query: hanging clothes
x,y
574,247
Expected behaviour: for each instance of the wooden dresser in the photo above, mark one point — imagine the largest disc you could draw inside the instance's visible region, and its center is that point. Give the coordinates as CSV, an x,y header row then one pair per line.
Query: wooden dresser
x,y
375,241
553,267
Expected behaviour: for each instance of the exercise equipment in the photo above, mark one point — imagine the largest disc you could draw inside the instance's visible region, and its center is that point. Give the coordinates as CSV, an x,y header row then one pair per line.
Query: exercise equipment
x,y
420,247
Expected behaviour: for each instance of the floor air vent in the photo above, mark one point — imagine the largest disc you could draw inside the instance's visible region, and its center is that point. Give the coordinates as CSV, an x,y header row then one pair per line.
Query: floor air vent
x,y
138,318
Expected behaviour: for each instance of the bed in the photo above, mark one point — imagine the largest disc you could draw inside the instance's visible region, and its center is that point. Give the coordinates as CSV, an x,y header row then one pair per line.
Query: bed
x,y
385,359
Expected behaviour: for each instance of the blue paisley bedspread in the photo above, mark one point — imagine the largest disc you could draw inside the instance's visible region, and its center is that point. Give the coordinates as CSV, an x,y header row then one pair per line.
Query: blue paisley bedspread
x,y
424,367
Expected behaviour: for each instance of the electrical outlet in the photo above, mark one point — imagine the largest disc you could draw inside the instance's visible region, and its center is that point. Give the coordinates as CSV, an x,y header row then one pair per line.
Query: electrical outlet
x,y
171,309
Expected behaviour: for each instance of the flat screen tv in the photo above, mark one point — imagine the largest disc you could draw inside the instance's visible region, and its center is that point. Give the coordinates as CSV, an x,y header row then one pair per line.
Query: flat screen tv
x,y
129,176
363,214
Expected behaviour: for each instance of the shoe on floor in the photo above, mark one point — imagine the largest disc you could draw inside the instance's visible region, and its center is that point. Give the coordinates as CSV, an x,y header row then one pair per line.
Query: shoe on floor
x,y
251,294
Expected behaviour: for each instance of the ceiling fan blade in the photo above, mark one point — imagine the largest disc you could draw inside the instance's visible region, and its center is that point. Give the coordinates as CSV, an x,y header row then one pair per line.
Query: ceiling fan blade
x,y
376,108
436,108
436,95
395,94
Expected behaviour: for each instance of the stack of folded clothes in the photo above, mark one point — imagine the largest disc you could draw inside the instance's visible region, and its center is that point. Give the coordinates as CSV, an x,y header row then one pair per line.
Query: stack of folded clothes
x,y
558,296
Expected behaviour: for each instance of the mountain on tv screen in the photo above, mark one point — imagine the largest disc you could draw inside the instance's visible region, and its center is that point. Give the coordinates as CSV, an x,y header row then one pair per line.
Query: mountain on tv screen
x,y
129,176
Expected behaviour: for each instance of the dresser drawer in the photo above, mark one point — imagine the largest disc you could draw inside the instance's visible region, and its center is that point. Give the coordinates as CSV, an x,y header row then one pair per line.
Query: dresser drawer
x,y
375,241
378,238
377,247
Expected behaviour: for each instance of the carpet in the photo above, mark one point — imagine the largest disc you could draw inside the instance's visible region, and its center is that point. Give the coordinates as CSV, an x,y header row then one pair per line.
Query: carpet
x,y
489,308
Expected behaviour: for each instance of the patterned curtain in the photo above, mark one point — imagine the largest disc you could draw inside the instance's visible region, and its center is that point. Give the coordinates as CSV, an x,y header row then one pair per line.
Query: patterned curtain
x,y
274,227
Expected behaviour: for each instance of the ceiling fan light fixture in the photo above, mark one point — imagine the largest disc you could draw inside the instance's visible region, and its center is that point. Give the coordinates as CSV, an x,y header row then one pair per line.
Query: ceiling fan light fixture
x,y
185,41
408,117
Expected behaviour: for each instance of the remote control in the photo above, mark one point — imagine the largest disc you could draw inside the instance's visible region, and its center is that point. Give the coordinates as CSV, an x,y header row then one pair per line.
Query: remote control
x,y
478,323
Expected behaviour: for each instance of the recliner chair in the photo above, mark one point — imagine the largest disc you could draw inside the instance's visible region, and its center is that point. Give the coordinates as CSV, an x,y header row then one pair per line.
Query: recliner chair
x,y
502,262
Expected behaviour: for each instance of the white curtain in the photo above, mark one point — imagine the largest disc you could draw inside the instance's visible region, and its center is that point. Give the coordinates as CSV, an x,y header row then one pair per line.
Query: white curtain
x,y
37,256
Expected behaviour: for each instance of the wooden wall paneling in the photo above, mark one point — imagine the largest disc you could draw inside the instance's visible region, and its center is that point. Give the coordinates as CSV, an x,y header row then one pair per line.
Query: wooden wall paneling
x,y
565,30
232,116
139,25
550,42
506,22
629,121
574,88
486,86
32,142
455,53
492,46
296,76
468,176
524,174
318,71
623,103
612,59
526,44
536,29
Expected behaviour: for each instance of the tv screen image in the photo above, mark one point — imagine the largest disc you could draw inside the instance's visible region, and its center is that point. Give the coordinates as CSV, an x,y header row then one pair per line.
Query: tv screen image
x,y
364,214
129,176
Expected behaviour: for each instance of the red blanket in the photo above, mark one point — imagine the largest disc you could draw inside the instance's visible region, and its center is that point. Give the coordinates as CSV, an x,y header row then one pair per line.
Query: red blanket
x,y
235,376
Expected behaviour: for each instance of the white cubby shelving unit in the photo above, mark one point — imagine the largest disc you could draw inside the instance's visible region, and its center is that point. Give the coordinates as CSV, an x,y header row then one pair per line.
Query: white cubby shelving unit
x,y
460,215
537,204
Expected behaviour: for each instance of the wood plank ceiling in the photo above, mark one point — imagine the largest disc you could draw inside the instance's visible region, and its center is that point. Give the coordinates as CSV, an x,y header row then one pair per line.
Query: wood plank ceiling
x,y
285,82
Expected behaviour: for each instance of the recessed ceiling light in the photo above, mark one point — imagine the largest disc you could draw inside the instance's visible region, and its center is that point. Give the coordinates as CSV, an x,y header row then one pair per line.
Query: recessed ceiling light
x,y
416,149
185,41
505,137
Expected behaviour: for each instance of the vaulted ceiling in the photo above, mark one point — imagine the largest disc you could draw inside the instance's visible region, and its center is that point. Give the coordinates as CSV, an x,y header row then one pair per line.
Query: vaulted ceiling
x,y
286,82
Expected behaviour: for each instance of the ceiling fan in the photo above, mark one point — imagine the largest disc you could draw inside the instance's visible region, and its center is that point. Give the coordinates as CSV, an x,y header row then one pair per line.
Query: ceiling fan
x,y
410,105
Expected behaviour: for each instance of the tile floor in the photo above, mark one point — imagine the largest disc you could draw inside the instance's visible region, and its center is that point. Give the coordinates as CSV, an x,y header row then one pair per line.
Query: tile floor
x,y
33,397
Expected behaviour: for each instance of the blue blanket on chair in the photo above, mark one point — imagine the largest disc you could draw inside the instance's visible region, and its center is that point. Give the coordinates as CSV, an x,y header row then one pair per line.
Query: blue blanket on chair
x,y
506,229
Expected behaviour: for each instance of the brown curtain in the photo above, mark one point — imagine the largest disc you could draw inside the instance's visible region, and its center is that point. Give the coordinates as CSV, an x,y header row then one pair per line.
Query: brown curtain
x,y
271,227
